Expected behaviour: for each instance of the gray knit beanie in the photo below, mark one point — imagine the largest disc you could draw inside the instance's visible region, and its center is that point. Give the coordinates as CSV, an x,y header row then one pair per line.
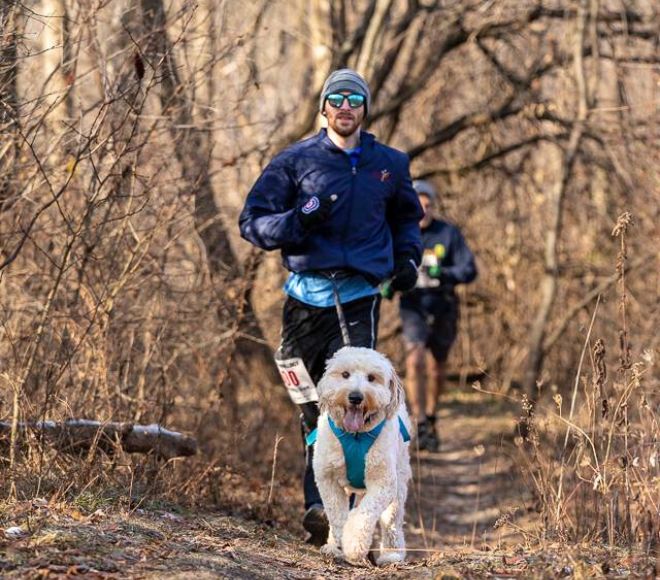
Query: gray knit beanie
x,y
423,187
345,79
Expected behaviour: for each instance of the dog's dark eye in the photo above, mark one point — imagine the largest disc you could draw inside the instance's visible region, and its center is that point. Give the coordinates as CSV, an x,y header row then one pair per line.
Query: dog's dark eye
x,y
371,378
346,374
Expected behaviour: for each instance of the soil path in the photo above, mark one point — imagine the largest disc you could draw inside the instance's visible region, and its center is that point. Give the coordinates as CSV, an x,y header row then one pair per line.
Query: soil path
x,y
460,493
456,497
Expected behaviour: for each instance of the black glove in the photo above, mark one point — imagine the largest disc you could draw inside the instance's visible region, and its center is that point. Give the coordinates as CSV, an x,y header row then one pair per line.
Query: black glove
x,y
405,275
314,212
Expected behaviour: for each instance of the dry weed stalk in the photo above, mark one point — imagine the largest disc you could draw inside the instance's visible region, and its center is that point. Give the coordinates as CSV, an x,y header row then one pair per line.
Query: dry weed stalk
x,y
600,481
271,487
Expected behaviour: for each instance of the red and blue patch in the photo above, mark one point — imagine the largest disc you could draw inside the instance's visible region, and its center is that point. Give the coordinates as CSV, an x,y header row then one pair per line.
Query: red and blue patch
x,y
383,175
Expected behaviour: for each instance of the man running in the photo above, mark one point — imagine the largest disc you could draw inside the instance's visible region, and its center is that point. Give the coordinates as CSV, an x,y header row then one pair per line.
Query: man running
x,y
341,208
429,314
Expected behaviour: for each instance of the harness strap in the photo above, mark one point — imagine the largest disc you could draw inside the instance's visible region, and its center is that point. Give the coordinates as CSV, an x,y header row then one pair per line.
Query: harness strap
x,y
403,430
356,446
310,438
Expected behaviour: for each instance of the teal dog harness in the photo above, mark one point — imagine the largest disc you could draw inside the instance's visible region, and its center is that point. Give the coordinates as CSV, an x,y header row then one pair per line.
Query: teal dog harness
x,y
356,446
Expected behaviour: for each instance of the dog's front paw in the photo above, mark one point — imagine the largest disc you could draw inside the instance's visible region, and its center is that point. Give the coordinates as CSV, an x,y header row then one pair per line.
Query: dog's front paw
x,y
331,549
390,558
355,552
356,539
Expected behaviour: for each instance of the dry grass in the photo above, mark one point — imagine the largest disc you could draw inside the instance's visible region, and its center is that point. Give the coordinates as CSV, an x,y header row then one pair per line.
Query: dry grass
x,y
593,460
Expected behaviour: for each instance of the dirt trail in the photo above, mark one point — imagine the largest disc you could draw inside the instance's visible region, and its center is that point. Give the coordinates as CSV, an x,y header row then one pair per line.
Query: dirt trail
x,y
457,496
460,492
453,490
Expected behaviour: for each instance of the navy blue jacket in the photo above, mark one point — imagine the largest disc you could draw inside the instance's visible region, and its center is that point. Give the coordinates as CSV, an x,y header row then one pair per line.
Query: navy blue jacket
x,y
456,261
374,221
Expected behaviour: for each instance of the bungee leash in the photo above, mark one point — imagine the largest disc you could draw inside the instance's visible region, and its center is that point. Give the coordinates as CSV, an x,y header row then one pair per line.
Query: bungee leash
x,y
346,339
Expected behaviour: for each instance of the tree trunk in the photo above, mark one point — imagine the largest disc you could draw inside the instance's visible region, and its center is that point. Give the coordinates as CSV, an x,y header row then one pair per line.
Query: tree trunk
x,y
369,55
555,209
192,148
57,63
10,146
80,435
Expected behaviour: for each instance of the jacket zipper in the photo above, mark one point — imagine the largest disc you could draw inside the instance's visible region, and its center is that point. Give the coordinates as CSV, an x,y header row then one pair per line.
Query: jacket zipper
x,y
350,212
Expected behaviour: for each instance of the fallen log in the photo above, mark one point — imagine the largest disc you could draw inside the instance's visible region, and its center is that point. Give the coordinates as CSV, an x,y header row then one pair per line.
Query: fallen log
x,y
78,435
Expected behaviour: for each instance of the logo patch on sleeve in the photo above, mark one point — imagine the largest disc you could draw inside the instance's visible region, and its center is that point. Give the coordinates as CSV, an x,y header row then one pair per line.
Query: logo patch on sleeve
x,y
312,205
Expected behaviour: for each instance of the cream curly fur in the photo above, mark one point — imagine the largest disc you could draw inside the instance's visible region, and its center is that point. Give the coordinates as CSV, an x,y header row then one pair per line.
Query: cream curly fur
x,y
387,471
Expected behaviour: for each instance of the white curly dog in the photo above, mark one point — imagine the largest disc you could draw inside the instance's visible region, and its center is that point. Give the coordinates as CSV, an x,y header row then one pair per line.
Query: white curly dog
x,y
362,405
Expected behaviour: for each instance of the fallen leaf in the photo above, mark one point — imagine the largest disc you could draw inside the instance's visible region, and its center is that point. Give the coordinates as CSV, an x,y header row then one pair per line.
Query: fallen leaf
x,y
15,533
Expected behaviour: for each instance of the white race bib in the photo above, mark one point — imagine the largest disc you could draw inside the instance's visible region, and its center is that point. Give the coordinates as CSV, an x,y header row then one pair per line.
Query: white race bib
x,y
297,380
432,257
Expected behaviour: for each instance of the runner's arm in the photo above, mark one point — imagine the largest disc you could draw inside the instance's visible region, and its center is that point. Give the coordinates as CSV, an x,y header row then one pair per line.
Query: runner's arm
x,y
269,219
403,215
460,267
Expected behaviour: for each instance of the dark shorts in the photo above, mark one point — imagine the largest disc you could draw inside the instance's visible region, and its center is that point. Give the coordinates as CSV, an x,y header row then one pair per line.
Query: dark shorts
x,y
431,320
314,334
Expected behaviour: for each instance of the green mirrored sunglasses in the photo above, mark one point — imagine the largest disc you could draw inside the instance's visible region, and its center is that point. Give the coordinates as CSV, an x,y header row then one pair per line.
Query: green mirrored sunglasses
x,y
336,100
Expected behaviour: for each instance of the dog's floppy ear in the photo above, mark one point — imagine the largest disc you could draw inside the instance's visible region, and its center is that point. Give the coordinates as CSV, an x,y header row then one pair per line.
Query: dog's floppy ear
x,y
397,394
321,386
324,385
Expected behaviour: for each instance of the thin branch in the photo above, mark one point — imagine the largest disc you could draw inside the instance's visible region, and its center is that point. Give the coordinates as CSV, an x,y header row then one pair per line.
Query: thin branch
x,y
488,159
570,314
469,121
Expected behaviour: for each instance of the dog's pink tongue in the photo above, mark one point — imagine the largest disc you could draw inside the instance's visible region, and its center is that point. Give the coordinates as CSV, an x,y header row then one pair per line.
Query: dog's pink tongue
x,y
353,420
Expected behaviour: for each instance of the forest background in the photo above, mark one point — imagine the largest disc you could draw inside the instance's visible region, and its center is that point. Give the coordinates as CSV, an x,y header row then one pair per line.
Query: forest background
x,y
132,130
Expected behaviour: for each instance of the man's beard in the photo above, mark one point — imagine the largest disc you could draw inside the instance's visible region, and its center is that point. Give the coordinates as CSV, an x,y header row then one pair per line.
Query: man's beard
x,y
345,129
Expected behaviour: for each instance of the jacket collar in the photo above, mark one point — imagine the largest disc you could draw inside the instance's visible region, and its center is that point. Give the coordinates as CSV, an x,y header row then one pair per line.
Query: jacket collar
x,y
367,141
311,437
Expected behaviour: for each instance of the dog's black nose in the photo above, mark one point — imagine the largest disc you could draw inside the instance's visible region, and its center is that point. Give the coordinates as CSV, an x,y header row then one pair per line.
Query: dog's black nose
x,y
355,398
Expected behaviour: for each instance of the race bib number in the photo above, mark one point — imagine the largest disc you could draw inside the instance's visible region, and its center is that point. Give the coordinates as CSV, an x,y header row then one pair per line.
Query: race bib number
x,y
297,380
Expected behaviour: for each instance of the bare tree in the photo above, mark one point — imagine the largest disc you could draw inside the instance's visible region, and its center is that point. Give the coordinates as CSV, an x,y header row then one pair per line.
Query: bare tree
x,y
10,148
193,150
556,203
129,146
